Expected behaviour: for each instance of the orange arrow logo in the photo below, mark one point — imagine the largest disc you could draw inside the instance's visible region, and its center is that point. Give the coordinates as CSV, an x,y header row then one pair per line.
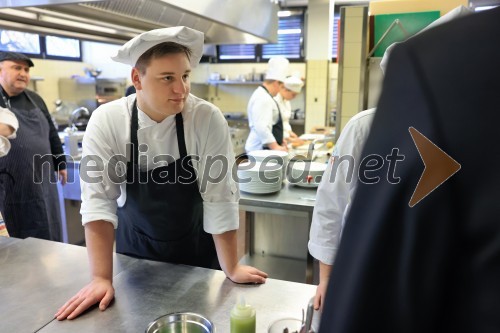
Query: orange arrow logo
x,y
439,166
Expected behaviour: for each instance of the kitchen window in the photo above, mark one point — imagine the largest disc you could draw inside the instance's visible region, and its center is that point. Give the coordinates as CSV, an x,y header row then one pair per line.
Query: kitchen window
x,y
289,45
335,36
38,46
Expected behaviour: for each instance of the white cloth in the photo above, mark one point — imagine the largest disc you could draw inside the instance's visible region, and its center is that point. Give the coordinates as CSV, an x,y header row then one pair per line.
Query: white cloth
x,y
286,113
7,118
206,133
130,52
334,196
262,113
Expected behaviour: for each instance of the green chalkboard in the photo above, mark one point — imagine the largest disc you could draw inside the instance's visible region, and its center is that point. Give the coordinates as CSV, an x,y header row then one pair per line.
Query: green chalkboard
x,y
412,23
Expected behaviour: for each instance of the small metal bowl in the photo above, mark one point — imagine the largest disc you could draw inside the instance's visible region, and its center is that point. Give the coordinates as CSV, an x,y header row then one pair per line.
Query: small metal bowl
x,y
290,325
181,322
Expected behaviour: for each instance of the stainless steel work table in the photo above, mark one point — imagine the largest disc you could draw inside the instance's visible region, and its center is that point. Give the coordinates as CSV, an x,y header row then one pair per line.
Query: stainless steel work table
x,y
42,275
37,277
291,200
6,241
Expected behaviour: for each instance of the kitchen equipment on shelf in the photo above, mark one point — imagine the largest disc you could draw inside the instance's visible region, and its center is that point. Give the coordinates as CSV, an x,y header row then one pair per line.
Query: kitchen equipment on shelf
x,y
260,178
181,322
267,155
306,173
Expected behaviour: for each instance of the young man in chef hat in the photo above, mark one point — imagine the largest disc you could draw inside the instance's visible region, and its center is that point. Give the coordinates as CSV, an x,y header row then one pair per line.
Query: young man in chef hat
x,y
264,116
161,212
292,86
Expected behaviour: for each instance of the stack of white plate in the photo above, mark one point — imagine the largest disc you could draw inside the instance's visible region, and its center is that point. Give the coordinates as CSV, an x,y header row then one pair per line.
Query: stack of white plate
x,y
306,174
267,156
260,178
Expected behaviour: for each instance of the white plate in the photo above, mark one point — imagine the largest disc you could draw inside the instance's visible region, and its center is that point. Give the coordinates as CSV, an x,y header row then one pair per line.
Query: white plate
x,y
312,136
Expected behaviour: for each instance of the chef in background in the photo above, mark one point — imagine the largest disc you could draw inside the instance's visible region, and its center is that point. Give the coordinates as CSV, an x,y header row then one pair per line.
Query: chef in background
x,y
29,199
290,89
336,190
264,116
161,209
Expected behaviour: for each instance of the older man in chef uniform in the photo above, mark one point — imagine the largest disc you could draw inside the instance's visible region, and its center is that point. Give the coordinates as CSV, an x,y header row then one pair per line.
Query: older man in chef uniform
x,y
163,210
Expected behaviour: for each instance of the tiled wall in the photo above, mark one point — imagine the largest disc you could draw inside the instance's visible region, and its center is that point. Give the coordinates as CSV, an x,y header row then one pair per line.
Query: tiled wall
x,y
317,93
51,71
352,70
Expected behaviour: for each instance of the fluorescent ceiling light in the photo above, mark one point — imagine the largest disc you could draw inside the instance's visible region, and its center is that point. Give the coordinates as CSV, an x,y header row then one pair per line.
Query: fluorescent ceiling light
x,y
77,24
18,13
289,31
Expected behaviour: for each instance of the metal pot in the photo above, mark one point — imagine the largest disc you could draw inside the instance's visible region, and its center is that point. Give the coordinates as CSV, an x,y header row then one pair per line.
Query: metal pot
x,y
181,322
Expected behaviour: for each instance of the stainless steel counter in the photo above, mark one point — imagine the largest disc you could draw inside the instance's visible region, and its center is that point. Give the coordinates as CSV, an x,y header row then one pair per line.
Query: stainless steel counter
x,y
39,276
6,241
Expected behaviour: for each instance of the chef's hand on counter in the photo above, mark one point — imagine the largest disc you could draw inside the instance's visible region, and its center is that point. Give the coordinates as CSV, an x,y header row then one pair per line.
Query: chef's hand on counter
x,y
226,245
98,291
324,277
63,176
99,238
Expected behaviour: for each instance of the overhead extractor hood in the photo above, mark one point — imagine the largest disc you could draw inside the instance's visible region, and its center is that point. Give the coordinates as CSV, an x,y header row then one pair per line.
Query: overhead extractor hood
x,y
116,21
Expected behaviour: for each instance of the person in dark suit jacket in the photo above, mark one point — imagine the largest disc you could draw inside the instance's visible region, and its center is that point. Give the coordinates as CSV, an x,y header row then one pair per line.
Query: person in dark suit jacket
x,y
433,267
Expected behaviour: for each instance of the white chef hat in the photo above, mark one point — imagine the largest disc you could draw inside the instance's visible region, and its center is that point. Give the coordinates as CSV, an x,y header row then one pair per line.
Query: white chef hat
x,y
277,68
455,13
294,84
130,52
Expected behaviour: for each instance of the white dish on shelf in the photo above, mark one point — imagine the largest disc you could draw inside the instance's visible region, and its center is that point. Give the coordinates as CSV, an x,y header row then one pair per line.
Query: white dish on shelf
x,y
257,173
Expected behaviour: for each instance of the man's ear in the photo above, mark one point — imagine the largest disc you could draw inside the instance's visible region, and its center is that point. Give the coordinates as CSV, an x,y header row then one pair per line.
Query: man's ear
x,y
136,78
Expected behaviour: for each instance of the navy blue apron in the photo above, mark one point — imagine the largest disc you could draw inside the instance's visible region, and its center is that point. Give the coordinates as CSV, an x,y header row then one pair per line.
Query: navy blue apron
x,y
29,198
163,220
277,129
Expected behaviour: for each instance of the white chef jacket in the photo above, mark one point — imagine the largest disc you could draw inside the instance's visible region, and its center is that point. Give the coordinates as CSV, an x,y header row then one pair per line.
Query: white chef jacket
x,y
286,112
8,118
206,134
334,196
263,113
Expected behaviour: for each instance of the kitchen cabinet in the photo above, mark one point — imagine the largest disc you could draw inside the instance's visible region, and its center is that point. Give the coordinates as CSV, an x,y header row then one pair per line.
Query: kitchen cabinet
x,y
279,226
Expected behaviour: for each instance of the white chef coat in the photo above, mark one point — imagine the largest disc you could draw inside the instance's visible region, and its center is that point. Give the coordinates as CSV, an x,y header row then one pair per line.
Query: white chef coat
x,y
8,118
263,113
206,133
286,112
334,196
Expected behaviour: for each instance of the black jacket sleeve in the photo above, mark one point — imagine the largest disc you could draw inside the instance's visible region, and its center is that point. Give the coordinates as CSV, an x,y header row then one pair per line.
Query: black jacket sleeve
x,y
55,141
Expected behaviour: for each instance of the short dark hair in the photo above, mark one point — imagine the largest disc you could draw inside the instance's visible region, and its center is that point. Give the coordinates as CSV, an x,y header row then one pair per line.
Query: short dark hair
x,y
159,51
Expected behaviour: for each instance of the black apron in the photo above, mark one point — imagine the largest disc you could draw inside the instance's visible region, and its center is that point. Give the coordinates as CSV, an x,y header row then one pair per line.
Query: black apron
x,y
277,129
29,199
162,218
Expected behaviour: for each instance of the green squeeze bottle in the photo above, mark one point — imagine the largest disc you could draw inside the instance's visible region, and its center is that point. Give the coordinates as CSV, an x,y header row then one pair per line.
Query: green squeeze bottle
x,y
242,317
